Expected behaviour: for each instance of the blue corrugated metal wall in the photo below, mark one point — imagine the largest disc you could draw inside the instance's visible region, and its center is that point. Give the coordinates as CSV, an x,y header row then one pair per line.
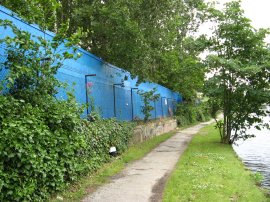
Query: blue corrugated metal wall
x,y
104,92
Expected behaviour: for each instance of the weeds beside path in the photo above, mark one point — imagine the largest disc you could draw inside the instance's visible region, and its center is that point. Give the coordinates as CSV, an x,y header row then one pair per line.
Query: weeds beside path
x,y
211,171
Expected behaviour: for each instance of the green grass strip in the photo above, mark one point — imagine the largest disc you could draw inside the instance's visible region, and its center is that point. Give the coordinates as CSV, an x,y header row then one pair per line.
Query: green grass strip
x,y
89,183
210,171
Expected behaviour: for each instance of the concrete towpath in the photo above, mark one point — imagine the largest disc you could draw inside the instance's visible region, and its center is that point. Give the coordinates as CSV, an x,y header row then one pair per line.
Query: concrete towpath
x,y
144,180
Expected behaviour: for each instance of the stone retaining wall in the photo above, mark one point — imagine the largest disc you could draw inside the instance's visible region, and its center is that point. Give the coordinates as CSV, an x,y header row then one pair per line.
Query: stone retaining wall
x,y
154,128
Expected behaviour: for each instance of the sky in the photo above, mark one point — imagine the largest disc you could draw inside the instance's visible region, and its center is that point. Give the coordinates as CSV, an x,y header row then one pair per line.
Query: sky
x,y
258,11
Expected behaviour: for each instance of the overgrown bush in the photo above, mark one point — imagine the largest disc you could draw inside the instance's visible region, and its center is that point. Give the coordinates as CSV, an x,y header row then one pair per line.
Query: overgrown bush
x,y
44,143
103,134
188,113
41,150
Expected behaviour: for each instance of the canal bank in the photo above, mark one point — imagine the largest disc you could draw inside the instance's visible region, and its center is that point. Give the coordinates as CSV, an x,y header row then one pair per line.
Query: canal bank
x,y
211,171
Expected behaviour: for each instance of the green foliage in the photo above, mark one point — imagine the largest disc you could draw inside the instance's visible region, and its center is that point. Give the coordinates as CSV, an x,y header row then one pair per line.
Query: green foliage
x,y
150,35
182,70
240,68
148,97
187,113
258,177
44,143
41,12
42,149
105,134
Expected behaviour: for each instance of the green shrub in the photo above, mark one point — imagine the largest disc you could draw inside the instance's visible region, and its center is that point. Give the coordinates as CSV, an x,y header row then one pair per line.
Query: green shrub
x,y
35,159
187,113
42,149
103,134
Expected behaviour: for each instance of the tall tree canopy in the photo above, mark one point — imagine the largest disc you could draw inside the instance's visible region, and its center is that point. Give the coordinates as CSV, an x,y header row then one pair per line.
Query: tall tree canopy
x,y
41,12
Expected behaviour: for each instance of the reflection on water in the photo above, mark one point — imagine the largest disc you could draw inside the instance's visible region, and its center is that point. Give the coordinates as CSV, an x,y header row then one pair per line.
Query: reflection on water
x,y
255,153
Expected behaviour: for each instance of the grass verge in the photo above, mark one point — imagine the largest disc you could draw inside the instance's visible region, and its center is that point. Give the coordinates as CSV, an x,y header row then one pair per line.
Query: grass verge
x,y
211,171
89,183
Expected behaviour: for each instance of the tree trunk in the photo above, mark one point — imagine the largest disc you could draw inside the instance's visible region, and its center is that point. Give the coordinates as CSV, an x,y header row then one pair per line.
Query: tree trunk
x,y
226,136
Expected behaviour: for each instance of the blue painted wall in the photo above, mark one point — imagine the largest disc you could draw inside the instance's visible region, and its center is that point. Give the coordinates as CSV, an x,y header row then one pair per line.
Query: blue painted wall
x,y
103,90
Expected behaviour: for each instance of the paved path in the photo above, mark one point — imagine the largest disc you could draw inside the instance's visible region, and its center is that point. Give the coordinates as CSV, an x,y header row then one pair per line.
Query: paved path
x,y
144,180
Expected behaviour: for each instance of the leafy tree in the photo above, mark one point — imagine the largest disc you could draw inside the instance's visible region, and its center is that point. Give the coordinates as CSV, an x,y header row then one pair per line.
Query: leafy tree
x,y
148,97
240,73
151,39
186,73
41,12
178,63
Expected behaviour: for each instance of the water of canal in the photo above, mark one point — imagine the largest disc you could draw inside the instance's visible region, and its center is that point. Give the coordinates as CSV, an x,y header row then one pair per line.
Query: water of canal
x,y
255,153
